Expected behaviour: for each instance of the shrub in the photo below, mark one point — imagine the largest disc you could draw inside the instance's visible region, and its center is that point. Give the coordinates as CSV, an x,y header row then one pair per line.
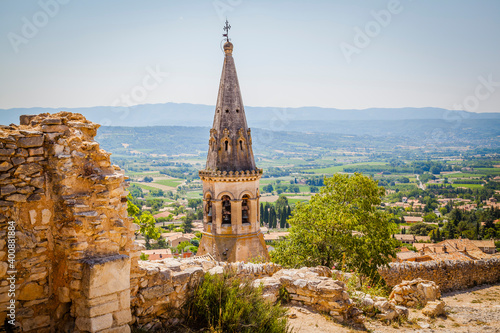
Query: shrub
x,y
228,304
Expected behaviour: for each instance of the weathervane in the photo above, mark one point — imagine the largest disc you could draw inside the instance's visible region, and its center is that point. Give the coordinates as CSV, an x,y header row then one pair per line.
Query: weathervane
x,y
226,29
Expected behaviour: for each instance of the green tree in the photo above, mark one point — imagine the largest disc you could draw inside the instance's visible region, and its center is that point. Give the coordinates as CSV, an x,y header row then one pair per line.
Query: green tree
x,y
341,223
272,217
421,229
194,203
188,223
145,220
261,214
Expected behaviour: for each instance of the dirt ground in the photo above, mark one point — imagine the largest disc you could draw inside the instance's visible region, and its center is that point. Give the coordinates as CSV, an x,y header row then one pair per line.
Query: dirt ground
x,y
470,310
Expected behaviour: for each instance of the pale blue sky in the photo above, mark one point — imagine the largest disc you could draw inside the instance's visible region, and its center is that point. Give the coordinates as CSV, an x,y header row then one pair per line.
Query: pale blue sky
x,y
287,53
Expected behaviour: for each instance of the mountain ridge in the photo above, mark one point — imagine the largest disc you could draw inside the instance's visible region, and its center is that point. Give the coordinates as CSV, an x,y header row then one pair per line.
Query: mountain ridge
x,y
274,118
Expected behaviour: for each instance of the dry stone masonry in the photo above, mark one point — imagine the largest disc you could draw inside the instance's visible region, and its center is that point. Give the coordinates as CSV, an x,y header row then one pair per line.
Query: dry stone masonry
x,y
74,240
447,274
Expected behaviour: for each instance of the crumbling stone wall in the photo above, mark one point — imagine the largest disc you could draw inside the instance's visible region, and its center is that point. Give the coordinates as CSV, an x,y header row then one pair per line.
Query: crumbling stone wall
x,y
448,274
68,204
161,287
164,285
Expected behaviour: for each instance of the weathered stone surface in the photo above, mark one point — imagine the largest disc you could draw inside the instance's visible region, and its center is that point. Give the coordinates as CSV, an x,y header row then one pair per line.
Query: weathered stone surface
x,y
18,160
94,324
122,317
46,215
120,329
105,276
7,189
3,268
7,152
30,141
17,197
54,128
35,323
4,166
28,169
31,291
37,181
35,151
415,292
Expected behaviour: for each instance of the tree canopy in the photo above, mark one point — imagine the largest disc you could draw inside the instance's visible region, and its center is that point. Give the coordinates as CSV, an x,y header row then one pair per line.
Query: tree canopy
x,y
340,225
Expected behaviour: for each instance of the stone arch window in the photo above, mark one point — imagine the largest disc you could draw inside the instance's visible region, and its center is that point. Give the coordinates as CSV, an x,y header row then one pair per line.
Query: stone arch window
x,y
226,210
208,208
237,110
226,144
241,144
245,209
227,111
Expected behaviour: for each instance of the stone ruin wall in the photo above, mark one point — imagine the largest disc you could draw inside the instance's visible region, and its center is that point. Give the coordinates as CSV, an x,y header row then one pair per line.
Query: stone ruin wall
x,y
76,260
448,274
69,207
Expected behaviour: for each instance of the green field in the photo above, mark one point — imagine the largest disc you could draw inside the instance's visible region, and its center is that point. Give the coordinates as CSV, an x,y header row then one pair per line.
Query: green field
x,y
463,175
488,171
145,187
169,182
143,174
340,168
194,195
467,185
294,201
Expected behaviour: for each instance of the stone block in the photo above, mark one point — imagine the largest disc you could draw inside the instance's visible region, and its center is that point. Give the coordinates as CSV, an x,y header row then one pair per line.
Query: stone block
x,y
30,141
4,166
46,215
122,317
121,329
37,181
7,189
18,160
434,308
25,119
28,169
54,128
86,310
35,151
124,299
51,121
6,152
63,294
94,324
17,197
104,276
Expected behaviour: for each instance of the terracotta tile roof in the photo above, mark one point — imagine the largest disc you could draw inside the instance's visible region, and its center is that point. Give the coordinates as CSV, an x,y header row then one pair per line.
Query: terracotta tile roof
x,y
275,235
413,219
484,243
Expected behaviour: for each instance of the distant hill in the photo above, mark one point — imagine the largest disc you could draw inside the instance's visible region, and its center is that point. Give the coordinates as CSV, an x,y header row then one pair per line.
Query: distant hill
x,y
172,114
420,124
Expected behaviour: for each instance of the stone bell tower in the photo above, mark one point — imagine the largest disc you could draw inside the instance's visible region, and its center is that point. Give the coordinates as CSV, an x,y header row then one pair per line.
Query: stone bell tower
x,y
230,178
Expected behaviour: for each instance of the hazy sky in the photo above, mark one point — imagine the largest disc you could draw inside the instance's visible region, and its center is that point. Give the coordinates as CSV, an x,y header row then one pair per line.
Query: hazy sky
x,y
340,54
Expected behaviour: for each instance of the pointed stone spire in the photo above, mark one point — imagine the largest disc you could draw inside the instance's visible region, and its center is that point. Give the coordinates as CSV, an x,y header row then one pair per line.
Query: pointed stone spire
x,y
230,143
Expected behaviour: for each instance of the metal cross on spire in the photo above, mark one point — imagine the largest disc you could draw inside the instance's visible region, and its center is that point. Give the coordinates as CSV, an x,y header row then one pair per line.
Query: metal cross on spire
x,y
226,29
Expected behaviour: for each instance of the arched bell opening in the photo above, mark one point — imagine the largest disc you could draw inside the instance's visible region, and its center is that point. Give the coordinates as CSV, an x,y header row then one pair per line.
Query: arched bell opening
x,y
226,210
245,209
208,209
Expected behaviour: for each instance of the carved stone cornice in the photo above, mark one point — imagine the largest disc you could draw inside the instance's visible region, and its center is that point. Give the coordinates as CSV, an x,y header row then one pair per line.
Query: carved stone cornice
x,y
231,176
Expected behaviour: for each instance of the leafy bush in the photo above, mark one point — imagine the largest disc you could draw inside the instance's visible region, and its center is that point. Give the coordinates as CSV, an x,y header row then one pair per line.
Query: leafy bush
x,y
228,304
